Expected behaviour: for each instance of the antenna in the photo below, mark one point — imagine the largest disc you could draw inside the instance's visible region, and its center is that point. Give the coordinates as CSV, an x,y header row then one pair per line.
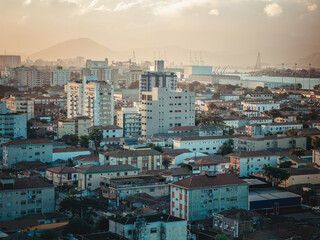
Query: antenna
x,y
134,57
258,62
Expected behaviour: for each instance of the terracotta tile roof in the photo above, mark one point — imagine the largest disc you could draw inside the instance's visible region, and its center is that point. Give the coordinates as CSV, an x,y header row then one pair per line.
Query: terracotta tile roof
x,y
27,142
211,160
203,181
24,183
70,149
93,157
107,168
61,169
204,138
252,154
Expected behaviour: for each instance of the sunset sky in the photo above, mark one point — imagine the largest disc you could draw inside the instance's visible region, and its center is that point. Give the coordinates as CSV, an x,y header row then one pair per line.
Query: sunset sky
x,y
288,26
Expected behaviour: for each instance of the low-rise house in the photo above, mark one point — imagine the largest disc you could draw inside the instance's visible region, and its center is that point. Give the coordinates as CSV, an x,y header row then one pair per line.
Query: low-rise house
x,y
117,189
237,223
62,175
260,106
86,159
280,127
161,226
302,175
178,156
198,197
89,177
211,163
208,130
262,96
259,120
229,97
78,126
247,163
316,156
69,153
243,143
250,113
205,144
109,131
143,159
24,196
234,122
28,150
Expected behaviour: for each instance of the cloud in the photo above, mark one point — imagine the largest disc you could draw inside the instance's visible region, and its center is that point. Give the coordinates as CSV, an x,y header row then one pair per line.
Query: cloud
x,y
121,6
273,9
171,8
214,12
27,2
312,7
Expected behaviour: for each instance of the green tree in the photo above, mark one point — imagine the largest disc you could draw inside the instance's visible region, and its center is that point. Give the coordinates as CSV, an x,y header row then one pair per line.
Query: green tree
x,y
273,113
221,237
84,141
166,162
156,147
286,164
212,106
49,235
275,175
96,136
102,224
31,133
315,142
77,226
291,132
225,148
70,139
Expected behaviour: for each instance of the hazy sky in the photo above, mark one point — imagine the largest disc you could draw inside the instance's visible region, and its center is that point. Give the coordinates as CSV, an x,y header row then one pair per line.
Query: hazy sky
x,y
235,26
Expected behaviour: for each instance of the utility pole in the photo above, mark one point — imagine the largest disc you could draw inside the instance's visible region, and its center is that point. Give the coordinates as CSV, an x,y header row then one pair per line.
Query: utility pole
x,y
295,77
282,75
309,77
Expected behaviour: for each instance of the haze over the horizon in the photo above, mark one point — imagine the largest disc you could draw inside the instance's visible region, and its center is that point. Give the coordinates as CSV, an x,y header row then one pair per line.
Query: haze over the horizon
x,y
281,29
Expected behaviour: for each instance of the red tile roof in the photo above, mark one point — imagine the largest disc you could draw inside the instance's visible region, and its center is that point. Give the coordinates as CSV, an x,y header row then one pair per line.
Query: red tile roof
x,y
70,149
203,181
27,142
252,154
61,169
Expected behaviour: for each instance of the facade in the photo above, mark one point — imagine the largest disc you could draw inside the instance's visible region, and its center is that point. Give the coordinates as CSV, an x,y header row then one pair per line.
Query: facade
x,y
316,156
247,163
11,61
93,99
260,106
22,196
142,159
62,175
91,177
78,126
262,96
28,76
205,144
119,188
154,227
234,122
259,120
69,153
110,131
269,143
60,77
99,69
280,127
149,80
27,150
303,175
98,103
198,197
20,104
129,119
12,125
163,109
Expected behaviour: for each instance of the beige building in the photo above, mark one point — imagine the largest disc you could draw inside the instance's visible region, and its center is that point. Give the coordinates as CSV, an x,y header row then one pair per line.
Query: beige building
x,y
142,159
20,104
89,177
91,98
303,175
163,108
62,175
78,126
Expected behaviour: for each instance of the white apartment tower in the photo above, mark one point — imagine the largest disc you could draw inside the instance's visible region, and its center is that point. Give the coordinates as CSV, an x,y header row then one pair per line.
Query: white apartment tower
x,y
164,108
59,77
98,103
99,69
93,99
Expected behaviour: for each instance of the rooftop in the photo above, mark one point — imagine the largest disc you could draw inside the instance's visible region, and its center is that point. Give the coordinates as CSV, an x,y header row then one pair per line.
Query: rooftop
x,y
203,181
70,149
252,154
25,183
203,138
18,142
108,168
61,169
132,153
151,218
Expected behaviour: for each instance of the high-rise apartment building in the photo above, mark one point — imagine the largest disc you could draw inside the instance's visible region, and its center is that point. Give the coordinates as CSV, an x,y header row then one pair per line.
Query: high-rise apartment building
x,y
59,77
150,80
11,61
159,65
93,99
28,76
98,103
129,119
20,104
99,69
164,108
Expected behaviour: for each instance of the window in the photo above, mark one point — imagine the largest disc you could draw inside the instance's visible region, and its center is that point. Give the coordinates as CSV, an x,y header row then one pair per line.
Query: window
x,y
129,232
153,230
151,190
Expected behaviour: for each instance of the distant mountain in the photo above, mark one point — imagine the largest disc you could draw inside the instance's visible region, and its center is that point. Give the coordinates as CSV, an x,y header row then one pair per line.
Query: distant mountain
x,y
72,48
314,59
